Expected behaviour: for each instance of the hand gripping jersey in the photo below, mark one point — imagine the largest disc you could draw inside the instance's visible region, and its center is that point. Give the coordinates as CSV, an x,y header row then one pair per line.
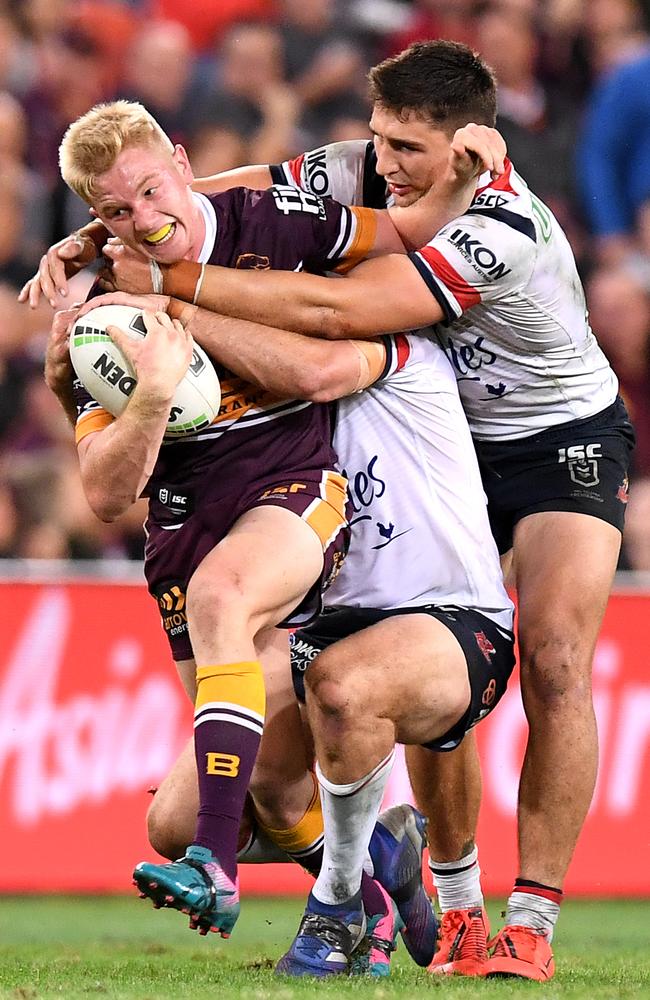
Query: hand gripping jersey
x,y
420,527
516,328
283,229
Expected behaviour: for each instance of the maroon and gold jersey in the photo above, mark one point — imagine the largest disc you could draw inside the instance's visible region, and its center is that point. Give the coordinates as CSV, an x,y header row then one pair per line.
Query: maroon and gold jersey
x,y
284,229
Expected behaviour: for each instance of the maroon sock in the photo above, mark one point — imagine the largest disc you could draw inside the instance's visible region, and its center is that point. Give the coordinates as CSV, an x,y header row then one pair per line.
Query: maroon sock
x,y
228,721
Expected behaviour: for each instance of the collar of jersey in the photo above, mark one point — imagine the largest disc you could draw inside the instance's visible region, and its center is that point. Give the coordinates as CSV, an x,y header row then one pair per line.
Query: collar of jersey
x,y
210,219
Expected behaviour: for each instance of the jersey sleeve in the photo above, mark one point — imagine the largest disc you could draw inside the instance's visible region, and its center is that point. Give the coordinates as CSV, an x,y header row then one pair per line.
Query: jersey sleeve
x,y
320,233
481,256
343,170
91,416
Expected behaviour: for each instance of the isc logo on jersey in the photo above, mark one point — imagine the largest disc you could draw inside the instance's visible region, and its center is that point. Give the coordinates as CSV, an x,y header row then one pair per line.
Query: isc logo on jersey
x,y
109,378
481,258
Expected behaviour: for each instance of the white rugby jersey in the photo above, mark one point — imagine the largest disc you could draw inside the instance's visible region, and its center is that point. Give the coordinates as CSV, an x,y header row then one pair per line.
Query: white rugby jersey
x,y
516,329
420,528
346,171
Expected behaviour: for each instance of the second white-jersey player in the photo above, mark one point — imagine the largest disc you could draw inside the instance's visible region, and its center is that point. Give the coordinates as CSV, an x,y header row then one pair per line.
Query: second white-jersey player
x,y
420,529
421,541
515,323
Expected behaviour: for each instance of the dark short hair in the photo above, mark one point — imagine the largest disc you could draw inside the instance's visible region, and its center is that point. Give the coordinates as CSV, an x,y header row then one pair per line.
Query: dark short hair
x,y
442,82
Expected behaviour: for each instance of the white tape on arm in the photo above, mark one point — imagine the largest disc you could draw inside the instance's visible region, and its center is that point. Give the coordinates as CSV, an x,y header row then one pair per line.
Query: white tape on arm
x,y
156,277
199,285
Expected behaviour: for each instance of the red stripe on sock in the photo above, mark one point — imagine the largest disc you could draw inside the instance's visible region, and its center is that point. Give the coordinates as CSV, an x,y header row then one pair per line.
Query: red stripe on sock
x,y
529,890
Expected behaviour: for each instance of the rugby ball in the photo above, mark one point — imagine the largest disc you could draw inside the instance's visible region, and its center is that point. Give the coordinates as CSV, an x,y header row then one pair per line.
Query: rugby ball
x,y
110,379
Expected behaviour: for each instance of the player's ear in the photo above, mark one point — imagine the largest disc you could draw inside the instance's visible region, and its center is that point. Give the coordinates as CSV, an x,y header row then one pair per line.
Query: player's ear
x,y
182,161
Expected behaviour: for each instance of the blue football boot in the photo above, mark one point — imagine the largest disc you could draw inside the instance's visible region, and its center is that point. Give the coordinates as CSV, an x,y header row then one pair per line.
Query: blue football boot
x,y
326,939
396,849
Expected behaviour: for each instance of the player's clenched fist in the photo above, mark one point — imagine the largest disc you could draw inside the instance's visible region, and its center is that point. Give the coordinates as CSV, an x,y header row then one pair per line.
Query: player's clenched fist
x,y
475,149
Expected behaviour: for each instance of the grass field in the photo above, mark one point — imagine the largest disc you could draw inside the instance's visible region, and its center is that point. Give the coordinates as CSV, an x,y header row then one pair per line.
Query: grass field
x,y
119,948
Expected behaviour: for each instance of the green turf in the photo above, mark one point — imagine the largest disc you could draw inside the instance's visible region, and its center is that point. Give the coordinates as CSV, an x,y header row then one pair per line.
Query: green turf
x,y
121,949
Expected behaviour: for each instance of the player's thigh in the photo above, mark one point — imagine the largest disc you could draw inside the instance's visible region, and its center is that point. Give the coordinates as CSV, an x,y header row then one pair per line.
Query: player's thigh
x,y
408,668
564,565
282,754
268,560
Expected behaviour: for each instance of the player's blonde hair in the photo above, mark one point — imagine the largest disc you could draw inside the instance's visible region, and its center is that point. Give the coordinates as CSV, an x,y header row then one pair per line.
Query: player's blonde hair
x,y
93,142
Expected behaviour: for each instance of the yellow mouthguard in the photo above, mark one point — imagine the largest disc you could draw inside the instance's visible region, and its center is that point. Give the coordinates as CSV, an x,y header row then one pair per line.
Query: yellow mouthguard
x,y
159,234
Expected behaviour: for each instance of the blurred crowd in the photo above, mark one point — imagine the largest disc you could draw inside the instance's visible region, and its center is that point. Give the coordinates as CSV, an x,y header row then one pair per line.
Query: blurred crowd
x,y
257,81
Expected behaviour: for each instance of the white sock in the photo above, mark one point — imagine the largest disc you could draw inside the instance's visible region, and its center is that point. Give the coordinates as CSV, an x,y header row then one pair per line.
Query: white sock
x,y
458,883
349,816
527,909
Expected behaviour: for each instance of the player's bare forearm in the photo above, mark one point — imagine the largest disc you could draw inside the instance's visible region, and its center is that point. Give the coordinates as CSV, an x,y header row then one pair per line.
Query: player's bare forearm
x,y
383,295
65,395
285,363
117,462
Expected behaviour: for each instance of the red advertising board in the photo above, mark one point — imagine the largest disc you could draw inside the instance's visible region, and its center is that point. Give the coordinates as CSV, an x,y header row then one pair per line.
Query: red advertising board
x,y
92,715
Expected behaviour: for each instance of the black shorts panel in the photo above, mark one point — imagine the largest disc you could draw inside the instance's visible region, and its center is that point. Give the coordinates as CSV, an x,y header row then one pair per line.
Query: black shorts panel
x,y
580,466
488,649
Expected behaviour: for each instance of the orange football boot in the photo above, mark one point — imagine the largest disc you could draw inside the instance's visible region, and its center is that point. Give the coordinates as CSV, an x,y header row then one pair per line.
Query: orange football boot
x,y
521,951
462,943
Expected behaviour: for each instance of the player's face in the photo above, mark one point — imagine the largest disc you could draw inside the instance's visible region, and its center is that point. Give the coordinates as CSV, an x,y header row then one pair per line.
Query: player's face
x,y
411,153
146,201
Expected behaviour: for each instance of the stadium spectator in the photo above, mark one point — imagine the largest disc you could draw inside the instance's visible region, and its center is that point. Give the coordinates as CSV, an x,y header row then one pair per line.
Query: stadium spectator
x,y
537,123
22,197
435,19
251,93
636,548
325,62
17,57
80,64
208,20
215,147
624,335
614,150
158,73
8,521
352,124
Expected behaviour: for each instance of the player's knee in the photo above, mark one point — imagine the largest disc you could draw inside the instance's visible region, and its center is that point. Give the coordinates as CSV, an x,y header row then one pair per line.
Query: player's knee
x,y
211,601
555,673
332,692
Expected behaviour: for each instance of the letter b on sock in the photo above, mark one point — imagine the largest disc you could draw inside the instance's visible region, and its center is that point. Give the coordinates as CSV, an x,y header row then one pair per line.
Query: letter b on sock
x,y
226,765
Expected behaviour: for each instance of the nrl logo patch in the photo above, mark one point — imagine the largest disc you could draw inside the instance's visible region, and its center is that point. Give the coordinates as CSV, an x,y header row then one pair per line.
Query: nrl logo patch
x,y
582,463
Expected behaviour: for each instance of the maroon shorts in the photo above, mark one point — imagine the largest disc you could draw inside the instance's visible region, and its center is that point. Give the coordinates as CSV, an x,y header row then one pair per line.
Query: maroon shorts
x,y
184,525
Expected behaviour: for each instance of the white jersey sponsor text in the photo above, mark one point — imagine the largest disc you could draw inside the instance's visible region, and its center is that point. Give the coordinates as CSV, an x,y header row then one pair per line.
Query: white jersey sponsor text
x,y
516,331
